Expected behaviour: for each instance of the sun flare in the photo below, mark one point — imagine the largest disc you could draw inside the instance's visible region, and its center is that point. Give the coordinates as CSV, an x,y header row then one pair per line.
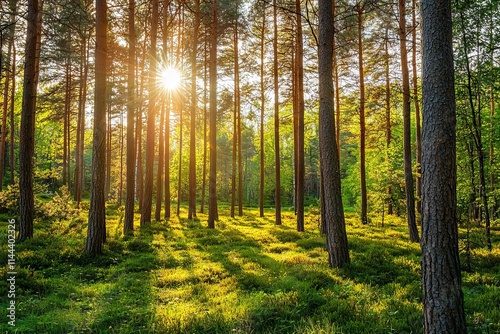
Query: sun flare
x,y
170,78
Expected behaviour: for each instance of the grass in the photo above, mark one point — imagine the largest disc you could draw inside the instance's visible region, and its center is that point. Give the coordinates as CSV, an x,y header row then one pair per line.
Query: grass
x,y
246,276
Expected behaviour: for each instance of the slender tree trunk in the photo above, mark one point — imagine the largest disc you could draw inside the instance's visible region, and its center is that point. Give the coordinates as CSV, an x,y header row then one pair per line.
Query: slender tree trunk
x,y
122,143
128,225
159,170
213,214
240,146
138,132
235,123
194,105
150,136
300,119
388,131
179,171
336,237
492,151
96,233
336,78
3,131
27,131
12,119
362,135
167,107
205,117
277,158
410,199
108,146
416,99
262,111
441,276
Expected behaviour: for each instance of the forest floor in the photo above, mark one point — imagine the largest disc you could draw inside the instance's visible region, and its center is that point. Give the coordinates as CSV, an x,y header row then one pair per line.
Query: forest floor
x,y
245,276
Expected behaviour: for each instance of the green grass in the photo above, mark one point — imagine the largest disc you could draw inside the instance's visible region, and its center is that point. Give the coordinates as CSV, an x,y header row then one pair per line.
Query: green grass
x,y
246,276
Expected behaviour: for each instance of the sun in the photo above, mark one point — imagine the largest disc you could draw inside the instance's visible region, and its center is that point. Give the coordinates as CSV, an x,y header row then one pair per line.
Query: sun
x,y
170,78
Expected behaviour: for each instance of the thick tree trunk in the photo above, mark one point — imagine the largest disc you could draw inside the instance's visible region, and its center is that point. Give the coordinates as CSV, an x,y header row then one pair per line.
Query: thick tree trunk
x,y
213,213
27,131
410,198
128,225
96,233
362,131
150,135
277,158
300,119
194,105
441,277
336,237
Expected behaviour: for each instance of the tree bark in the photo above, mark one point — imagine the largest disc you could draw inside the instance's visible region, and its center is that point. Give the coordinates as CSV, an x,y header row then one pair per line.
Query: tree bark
x,y
362,132
167,106
159,170
96,233
213,213
299,58
205,117
410,199
441,276
336,237
27,131
277,159
388,130
150,135
262,111
128,225
194,105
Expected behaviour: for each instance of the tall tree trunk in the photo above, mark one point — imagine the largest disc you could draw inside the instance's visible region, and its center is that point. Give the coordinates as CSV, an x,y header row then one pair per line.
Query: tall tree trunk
x,y
300,119
362,134
410,199
492,151
122,143
194,105
108,145
179,170
388,132
240,146
5,108
150,135
205,117
213,213
277,158
139,130
418,134
336,236
12,119
262,111
235,123
336,78
96,233
66,120
27,131
167,106
441,277
159,170
128,225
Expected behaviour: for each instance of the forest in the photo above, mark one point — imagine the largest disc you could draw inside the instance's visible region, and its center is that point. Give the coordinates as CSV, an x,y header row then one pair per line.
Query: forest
x,y
249,166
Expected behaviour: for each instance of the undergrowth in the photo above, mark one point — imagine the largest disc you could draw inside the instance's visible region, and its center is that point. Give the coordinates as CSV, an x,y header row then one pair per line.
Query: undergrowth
x,y
246,276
